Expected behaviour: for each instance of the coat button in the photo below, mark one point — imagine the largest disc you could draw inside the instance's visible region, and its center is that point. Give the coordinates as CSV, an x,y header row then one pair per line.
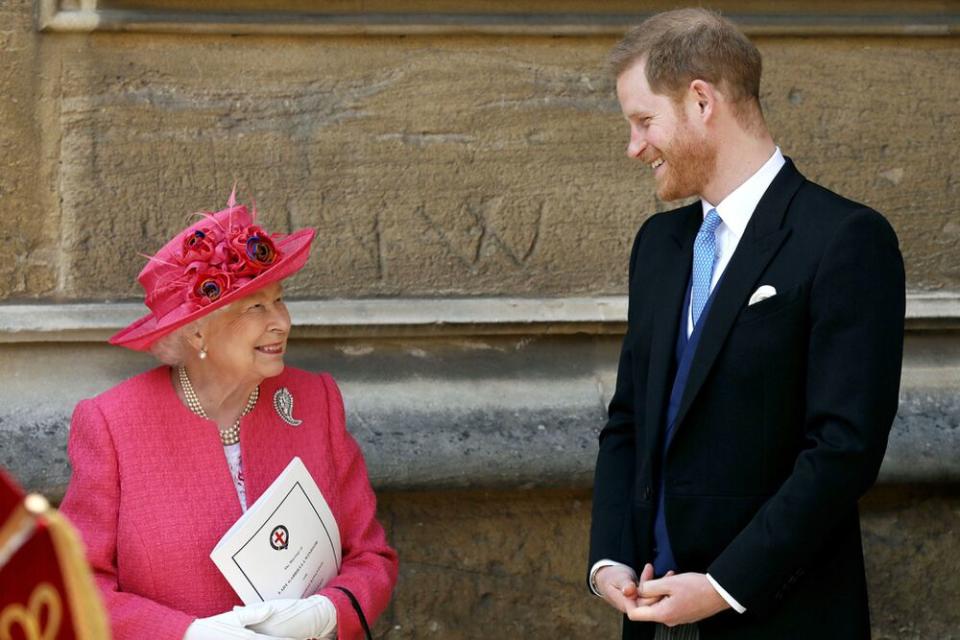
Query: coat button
x,y
647,493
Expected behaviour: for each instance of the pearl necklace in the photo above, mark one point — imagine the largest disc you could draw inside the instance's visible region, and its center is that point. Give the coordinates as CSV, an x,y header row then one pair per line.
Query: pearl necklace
x,y
228,436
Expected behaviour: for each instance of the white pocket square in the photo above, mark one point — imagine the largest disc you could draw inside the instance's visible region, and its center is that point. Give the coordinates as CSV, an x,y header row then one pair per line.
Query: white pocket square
x,y
764,292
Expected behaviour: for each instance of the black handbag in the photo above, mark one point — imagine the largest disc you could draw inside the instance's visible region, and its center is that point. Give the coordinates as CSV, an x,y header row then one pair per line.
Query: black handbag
x,y
356,607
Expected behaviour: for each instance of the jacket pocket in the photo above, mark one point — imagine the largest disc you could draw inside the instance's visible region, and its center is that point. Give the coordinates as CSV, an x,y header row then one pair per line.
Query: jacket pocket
x,y
771,306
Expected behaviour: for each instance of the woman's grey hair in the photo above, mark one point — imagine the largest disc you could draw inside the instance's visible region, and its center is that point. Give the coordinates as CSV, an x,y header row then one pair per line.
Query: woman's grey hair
x,y
172,348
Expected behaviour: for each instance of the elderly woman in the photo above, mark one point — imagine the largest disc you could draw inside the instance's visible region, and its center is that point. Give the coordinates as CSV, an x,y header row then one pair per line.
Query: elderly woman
x,y
164,463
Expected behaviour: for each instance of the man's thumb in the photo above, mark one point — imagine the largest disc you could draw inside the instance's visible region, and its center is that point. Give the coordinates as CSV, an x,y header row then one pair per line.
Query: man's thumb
x,y
655,588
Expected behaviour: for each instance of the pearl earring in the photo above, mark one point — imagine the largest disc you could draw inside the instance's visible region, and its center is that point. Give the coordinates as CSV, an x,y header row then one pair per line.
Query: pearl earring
x,y
203,353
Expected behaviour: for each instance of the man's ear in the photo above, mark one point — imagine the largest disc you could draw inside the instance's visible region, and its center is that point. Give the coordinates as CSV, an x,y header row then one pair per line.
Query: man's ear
x,y
704,96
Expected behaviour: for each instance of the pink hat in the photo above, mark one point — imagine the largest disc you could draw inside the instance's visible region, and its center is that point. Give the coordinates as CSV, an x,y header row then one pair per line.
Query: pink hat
x,y
219,259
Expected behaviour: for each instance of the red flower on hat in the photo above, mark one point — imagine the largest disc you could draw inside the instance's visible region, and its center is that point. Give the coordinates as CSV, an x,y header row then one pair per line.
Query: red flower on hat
x,y
198,246
210,284
217,263
254,249
226,257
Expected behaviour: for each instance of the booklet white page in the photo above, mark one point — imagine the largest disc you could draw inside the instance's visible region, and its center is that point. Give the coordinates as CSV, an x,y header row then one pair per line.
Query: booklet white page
x,y
286,545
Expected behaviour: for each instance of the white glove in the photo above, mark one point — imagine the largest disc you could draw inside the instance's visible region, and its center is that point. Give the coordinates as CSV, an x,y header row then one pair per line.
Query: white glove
x,y
313,617
224,626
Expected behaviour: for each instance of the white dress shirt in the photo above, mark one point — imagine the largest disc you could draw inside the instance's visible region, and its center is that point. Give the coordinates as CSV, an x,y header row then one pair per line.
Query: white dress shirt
x,y
735,212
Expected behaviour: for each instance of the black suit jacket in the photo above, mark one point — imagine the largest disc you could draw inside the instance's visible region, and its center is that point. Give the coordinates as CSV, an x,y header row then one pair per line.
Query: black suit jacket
x,y
784,420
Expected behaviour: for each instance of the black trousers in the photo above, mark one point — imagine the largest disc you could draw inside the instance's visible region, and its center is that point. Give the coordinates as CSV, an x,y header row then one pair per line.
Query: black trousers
x,y
679,632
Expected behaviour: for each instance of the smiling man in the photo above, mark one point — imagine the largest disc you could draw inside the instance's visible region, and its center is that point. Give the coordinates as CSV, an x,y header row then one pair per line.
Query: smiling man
x,y
759,376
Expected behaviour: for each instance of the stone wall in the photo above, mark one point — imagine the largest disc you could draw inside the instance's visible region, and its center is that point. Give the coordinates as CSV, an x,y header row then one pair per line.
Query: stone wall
x,y
445,167
430,165
510,565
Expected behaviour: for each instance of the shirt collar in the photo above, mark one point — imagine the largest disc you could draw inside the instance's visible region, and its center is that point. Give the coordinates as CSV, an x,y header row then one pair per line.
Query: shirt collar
x,y
737,208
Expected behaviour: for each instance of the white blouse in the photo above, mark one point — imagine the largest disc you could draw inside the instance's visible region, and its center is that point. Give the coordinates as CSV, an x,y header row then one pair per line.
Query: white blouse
x,y
232,452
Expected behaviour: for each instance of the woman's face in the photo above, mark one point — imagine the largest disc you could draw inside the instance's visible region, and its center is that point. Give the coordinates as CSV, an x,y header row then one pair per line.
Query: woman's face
x,y
247,340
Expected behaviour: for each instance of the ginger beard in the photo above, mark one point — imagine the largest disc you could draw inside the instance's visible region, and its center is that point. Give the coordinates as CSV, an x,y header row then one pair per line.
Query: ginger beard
x,y
689,162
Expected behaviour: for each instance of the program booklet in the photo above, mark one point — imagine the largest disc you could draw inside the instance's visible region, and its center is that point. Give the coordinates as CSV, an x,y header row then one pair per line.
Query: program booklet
x,y
286,545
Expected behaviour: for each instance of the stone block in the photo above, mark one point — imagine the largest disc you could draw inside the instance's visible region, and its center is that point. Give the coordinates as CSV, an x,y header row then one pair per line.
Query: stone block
x,y
492,565
512,564
459,165
494,413
912,555
28,227
868,118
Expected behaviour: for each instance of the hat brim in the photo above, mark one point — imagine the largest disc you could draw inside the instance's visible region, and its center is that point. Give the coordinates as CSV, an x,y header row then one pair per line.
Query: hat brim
x,y
294,249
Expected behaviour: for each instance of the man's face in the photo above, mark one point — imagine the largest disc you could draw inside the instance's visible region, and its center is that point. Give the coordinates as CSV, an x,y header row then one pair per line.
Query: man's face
x,y
664,137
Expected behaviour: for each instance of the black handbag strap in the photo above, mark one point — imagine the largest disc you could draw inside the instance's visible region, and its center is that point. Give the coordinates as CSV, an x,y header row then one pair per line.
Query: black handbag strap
x,y
356,607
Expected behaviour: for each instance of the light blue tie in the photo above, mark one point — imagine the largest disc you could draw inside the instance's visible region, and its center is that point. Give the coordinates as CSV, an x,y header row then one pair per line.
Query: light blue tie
x,y
704,259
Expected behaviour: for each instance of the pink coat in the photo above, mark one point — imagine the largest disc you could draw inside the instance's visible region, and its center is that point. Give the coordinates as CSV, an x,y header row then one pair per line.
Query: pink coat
x,y
151,494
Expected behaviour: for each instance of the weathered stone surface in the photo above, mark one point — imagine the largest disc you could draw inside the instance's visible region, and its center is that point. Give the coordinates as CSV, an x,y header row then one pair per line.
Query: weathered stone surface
x,y
438,165
494,412
867,118
512,565
926,436
28,266
492,565
33,447
396,150
912,553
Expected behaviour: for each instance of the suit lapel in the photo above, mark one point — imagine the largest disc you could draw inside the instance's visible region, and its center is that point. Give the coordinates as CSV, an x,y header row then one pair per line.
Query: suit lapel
x,y
674,272
761,240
